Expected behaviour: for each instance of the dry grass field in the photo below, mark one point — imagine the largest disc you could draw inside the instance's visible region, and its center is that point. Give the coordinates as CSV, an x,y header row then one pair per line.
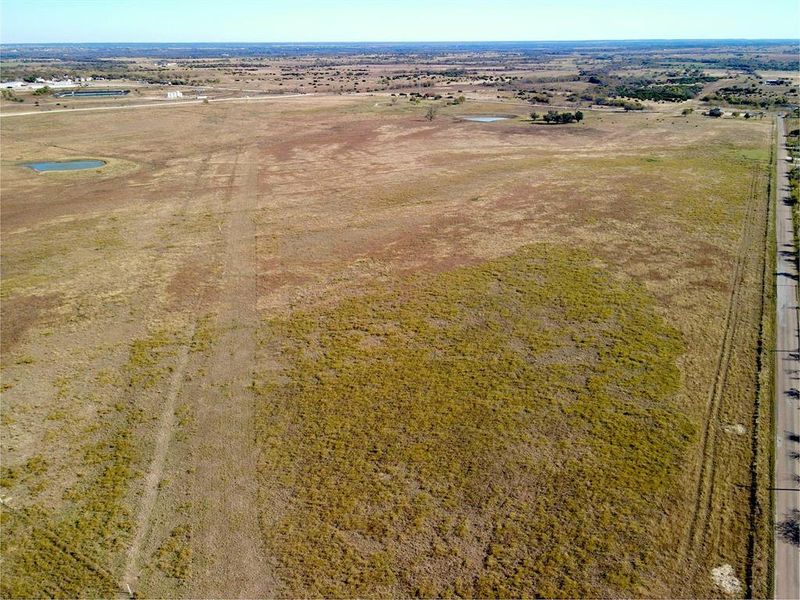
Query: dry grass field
x,y
321,346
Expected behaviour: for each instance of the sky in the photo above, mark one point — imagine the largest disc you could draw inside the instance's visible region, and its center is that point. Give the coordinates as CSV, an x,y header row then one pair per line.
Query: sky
x,y
51,21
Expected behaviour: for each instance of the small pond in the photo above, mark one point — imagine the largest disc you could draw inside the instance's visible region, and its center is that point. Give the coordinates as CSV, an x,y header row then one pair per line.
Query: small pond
x,y
486,119
65,165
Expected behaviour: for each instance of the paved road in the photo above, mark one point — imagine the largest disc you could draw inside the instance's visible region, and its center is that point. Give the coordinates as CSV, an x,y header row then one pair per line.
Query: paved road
x,y
787,391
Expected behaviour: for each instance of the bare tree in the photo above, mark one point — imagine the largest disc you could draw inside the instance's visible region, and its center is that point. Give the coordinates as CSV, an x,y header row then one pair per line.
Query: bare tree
x,y
431,113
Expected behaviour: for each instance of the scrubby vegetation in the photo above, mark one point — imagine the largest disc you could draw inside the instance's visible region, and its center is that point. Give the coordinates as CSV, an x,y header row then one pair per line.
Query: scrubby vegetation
x,y
61,555
620,102
755,94
67,554
668,93
11,96
500,430
174,555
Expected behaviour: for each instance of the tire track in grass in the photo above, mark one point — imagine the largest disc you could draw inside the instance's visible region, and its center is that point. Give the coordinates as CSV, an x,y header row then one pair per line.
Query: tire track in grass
x,y
704,495
164,431
756,508
232,560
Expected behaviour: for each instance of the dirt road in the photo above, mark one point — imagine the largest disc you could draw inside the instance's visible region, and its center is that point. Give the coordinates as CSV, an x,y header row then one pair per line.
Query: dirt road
x,y
787,375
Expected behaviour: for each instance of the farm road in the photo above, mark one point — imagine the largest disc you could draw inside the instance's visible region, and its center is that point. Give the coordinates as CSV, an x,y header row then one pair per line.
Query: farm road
x,y
787,389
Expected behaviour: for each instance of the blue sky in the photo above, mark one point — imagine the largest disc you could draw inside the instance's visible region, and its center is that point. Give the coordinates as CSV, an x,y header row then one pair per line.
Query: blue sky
x,y
381,20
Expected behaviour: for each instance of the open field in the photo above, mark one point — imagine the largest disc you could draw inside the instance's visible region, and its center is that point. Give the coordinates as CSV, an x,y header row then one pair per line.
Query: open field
x,y
323,346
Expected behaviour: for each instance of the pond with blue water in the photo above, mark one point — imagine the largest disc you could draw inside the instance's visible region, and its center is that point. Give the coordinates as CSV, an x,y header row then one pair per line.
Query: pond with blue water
x,y
65,165
486,119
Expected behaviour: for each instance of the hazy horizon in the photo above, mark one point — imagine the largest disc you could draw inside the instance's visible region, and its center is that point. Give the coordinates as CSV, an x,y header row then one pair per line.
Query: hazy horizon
x,y
403,41
318,21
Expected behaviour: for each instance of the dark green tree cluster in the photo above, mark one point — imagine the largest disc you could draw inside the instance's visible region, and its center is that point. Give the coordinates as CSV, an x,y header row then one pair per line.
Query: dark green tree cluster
x,y
552,116
665,93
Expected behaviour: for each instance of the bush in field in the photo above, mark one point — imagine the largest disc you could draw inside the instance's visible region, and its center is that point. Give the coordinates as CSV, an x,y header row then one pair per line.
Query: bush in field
x,y
10,96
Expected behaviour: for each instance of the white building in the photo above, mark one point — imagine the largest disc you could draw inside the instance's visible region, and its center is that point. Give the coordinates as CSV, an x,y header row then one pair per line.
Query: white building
x,y
38,84
174,95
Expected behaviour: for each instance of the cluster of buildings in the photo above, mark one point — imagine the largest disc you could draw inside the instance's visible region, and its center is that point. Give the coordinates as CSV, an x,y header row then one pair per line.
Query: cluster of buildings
x,y
40,83
65,87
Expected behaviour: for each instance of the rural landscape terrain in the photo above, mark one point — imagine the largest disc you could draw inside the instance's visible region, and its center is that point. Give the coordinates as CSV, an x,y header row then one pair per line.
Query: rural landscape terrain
x,y
436,320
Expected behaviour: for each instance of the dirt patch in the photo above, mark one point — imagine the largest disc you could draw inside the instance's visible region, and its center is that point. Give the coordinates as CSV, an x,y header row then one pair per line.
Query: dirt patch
x,y
20,313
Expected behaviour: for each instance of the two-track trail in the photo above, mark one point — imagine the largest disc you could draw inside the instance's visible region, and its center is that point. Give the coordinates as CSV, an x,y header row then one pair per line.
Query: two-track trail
x,y
154,474
228,540
699,535
227,547
164,432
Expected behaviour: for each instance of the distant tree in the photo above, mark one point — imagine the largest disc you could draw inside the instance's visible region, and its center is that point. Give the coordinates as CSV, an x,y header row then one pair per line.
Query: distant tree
x,y
431,113
747,115
550,116
715,112
42,91
534,116
578,116
687,111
